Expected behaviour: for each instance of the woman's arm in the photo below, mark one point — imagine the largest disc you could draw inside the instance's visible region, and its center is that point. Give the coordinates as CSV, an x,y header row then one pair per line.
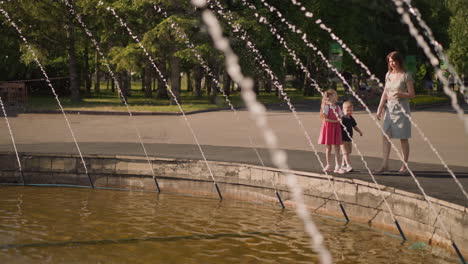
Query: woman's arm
x,y
383,99
410,94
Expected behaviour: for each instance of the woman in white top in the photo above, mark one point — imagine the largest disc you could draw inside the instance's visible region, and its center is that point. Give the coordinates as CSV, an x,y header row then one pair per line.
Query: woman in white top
x,y
398,90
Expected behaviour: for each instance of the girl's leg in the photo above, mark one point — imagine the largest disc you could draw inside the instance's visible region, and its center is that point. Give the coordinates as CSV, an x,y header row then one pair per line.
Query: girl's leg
x,y
328,155
405,150
338,168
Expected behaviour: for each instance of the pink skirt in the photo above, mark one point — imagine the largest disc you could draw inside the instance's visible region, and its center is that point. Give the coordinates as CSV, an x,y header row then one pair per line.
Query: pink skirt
x,y
330,134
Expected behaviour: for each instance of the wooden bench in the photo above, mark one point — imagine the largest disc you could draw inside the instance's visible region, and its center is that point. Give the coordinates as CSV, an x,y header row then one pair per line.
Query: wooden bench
x,y
13,93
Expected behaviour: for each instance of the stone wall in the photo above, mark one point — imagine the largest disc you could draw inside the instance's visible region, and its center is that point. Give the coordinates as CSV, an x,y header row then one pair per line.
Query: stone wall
x,y
362,200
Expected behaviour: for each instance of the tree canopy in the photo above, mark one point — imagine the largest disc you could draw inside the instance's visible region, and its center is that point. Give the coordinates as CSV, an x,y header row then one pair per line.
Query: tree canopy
x,y
371,28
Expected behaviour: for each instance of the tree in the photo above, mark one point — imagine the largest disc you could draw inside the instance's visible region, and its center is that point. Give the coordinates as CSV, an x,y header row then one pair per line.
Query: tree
x,y
458,32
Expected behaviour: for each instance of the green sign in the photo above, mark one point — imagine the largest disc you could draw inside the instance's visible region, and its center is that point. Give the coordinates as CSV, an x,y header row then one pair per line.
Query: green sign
x,y
336,56
443,65
335,48
410,63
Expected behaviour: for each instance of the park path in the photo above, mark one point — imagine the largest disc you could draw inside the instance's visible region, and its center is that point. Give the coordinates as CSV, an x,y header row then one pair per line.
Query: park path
x,y
226,139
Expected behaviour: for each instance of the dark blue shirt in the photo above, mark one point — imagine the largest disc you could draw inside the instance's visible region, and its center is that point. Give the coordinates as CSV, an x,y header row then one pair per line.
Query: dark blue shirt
x,y
349,123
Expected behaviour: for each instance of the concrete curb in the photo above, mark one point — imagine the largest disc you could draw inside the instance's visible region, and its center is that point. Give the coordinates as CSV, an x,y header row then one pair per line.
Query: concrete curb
x,y
136,113
86,112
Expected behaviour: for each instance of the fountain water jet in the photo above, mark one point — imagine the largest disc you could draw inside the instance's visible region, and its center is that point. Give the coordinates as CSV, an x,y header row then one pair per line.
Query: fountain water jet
x,y
20,168
298,31
318,21
433,60
5,14
283,94
134,37
90,35
204,65
437,46
258,112
273,31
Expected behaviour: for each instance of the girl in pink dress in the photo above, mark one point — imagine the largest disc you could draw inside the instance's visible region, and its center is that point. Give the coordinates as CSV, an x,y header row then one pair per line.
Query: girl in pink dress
x,y
330,134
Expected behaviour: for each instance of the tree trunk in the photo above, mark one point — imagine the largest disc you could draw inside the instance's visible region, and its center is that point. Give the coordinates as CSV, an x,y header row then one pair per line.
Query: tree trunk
x,y
72,65
97,84
112,85
214,92
208,85
226,83
143,79
189,81
198,81
147,81
128,83
87,77
162,89
214,87
256,87
308,88
268,85
121,85
175,78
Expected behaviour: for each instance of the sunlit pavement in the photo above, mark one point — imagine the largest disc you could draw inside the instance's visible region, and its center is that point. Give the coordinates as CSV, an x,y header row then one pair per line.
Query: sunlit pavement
x,y
224,138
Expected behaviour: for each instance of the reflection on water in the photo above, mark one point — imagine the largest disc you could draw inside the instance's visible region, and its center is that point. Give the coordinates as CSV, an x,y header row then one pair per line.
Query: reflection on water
x,y
75,225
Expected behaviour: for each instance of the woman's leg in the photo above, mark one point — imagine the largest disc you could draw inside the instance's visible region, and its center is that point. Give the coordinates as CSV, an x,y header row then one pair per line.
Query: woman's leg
x,y
405,150
385,154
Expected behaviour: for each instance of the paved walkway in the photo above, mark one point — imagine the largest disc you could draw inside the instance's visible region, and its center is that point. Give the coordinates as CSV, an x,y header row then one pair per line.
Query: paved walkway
x,y
223,138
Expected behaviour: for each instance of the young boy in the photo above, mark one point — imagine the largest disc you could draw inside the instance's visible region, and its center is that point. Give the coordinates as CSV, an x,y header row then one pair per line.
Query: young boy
x,y
350,124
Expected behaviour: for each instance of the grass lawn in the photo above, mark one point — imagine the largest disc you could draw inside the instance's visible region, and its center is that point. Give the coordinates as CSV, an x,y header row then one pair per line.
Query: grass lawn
x,y
428,100
108,101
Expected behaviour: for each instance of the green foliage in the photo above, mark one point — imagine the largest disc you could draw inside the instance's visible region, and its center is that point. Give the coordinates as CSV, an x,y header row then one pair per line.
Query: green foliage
x,y
458,32
128,58
371,28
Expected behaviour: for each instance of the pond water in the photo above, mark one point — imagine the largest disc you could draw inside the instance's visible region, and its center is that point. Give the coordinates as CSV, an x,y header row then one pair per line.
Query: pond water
x,y
80,225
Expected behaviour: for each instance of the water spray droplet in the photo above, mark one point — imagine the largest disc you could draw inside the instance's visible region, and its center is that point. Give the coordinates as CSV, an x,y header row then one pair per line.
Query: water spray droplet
x,y
199,3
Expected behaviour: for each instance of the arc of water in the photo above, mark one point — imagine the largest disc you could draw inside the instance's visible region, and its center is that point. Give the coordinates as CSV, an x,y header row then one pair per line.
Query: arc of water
x,y
258,112
36,59
372,176
97,46
207,69
437,46
324,27
423,44
442,224
134,37
20,168
296,30
228,15
283,94
433,60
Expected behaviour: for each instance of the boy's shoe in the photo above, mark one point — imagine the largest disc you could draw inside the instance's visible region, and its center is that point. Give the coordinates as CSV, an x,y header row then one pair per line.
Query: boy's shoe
x,y
347,168
339,171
